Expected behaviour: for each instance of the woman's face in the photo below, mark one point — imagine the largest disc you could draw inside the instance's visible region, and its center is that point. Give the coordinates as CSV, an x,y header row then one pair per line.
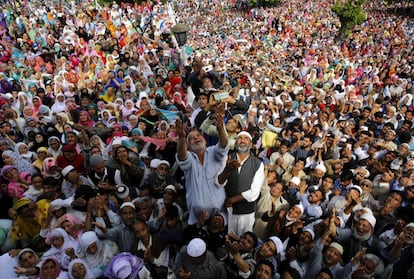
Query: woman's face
x,y
41,155
57,241
49,270
7,160
105,115
23,149
92,248
28,111
78,271
28,260
12,175
122,152
95,141
39,138
54,144
83,116
67,128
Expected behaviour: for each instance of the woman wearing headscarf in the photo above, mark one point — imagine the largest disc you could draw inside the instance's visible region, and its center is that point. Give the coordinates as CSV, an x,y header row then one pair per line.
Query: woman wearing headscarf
x,y
92,109
39,141
50,269
19,264
42,154
26,226
37,102
98,142
97,253
79,269
59,105
128,110
22,150
55,146
28,111
11,158
61,119
15,186
106,115
126,265
51,169
85,119
22,101
63,247
71,224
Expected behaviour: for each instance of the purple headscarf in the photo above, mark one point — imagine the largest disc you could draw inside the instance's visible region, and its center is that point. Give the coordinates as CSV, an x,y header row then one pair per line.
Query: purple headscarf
x,y
124,265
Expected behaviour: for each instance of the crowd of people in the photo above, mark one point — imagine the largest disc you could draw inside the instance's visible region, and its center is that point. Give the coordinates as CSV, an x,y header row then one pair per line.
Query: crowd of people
x,y
262,148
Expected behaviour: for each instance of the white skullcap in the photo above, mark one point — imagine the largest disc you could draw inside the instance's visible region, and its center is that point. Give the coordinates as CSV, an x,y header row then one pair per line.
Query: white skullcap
x,y
196,248
370,218
165,162
278,243
125,204
337,246
155,163
311,232
67,170
320,167
171,187
356,187
244,134
295,180
122,192
300,206
410,225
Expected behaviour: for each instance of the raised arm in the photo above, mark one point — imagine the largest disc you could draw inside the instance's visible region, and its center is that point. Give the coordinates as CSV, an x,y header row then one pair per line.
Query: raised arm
x,y
221,129
181,144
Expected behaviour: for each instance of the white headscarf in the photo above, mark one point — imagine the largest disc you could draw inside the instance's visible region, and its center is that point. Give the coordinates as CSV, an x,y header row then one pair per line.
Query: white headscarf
x,y
89,273
59,106
105,252
59,253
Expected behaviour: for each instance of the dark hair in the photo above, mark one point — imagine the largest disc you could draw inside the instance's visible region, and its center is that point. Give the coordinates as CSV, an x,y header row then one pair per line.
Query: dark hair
x,y
378,114
326,271
346,175
268,263
255,239
49,181
285,143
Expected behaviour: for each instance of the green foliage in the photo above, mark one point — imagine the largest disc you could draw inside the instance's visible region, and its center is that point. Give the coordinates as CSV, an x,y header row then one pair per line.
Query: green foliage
x,y
350,13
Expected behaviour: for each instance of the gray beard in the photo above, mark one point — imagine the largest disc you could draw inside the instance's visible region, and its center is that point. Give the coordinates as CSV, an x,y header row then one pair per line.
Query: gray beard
x,y
243,150
196,148
364,237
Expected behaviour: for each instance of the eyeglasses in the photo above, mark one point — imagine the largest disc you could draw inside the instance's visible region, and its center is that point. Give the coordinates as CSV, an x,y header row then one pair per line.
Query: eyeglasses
x,y
365,185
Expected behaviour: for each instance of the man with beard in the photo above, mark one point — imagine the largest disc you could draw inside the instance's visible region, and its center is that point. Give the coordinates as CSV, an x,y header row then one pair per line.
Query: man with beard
x,y
200,165
361,235
240,262
160,179
330,258
243,177
401,254
364,266
123,234
311,202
